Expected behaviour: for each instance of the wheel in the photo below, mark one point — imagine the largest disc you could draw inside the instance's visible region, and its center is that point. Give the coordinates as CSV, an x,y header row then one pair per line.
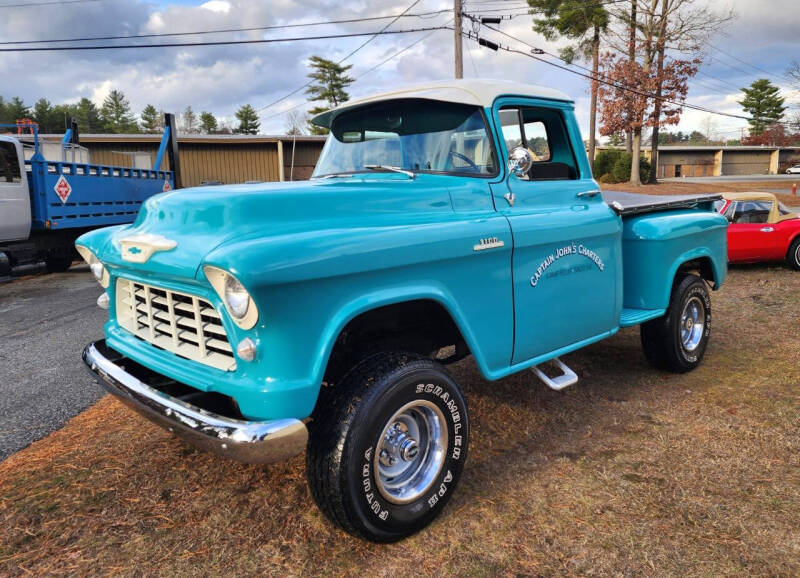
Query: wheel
x,y
793,255
387,445
677,341
58,264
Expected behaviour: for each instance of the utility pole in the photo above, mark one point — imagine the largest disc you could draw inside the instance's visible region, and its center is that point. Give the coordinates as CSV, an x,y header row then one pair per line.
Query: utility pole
x,y
457,29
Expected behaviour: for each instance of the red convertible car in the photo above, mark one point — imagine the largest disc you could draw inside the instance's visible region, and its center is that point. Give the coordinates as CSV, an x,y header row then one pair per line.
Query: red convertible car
x,y
761,229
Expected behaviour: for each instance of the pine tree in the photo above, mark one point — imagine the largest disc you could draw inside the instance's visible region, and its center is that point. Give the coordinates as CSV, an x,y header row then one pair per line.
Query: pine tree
x,y
115,114
152,120
3,112
764,104
43,115
585,23
88,117
208,123
16,109
328,83
248,120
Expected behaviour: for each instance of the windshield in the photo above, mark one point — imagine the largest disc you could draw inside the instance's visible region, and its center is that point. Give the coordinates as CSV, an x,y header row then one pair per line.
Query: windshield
x,y
412,134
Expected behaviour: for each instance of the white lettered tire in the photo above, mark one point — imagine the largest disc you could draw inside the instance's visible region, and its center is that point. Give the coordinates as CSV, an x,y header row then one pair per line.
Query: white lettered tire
x,y
387,445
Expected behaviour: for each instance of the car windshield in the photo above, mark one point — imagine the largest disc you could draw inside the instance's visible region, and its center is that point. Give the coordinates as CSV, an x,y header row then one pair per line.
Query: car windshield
x,y
412,134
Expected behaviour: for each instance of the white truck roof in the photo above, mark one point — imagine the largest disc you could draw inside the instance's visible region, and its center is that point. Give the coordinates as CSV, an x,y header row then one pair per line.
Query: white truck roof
x,y
479,92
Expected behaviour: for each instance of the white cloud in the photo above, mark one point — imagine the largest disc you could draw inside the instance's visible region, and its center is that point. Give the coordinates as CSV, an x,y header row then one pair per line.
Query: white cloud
x,y
221,78
217,6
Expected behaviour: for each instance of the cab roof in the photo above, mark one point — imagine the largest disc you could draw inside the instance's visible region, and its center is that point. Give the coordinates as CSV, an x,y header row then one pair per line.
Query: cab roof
x,y
479,92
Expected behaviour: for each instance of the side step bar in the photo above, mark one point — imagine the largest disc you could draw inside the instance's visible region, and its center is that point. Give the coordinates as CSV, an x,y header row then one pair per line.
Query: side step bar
x,y
567,378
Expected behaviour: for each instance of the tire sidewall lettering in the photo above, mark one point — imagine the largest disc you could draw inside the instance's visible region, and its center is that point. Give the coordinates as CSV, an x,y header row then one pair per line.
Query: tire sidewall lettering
x,y
701,292
372,501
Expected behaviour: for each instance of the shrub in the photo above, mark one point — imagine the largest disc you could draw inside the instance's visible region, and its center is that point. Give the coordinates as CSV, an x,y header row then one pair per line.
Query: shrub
x,y
618,170
604,161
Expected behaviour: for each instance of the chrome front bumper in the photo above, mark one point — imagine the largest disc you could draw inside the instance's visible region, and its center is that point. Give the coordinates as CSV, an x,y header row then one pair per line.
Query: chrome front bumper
x,y
254,442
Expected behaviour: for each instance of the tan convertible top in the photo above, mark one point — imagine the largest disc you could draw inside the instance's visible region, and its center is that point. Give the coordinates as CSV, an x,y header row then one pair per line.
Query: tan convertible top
x,y
760,196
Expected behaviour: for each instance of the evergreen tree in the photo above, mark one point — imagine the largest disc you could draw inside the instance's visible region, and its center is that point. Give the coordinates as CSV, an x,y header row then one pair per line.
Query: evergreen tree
x,y
16,109
583,22
115,114
3,113
88,117
248,120
45,117
152,120
764,104
208,124
328,83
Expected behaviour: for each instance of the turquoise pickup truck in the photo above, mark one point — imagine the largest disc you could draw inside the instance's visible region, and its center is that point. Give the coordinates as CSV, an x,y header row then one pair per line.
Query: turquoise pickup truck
x,y
445,220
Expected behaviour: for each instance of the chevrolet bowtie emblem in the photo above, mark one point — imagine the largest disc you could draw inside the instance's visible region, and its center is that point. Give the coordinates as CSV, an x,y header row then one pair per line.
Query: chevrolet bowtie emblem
x,y
139,248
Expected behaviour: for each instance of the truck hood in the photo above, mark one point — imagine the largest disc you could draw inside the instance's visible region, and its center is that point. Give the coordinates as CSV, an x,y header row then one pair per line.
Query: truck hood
x,y
175,231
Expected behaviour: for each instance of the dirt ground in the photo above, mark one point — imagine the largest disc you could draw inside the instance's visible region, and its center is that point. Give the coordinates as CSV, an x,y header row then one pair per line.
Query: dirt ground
x,y
630,472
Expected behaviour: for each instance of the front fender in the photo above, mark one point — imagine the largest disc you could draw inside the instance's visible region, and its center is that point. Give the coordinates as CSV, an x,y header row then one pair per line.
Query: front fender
x,y
392,296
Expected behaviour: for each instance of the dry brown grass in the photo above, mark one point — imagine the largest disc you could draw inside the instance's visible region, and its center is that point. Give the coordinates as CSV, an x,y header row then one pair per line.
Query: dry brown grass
x,y
631,472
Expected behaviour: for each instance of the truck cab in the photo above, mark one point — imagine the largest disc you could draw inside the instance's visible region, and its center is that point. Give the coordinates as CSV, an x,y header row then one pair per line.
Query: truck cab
x,y
442,221
15,202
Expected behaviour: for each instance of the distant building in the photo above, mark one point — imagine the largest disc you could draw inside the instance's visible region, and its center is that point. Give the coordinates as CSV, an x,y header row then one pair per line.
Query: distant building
x,y
708,161
216,158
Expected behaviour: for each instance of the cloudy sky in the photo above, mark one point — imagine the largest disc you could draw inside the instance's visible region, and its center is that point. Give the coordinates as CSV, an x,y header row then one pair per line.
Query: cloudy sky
x,y
759,43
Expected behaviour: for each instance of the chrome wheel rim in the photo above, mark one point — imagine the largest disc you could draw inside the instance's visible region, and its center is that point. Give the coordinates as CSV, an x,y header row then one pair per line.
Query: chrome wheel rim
x,y
410,452
693,322
797,255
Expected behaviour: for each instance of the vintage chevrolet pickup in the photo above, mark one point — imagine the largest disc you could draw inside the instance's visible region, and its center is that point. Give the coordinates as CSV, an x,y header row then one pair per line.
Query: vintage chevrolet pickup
x,y
259,321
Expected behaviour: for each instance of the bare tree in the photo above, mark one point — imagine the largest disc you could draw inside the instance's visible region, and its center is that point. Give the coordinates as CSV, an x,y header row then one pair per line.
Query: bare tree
x,y
684,26
296,123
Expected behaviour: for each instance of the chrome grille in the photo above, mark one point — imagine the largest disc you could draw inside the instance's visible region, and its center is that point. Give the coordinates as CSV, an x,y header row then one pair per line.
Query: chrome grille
x,y
183,324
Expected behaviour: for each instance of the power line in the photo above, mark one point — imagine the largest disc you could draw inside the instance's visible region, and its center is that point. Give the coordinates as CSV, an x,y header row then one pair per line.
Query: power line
x,y
227,30
604,80
753,66
53,2
369,70
216,43
351,53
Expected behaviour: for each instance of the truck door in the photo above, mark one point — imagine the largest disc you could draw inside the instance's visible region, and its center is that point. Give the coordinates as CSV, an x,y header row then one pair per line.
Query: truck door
x,y
567,242
15,203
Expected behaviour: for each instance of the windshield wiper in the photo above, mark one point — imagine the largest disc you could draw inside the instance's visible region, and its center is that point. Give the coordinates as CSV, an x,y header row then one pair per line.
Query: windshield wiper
x,y
334,176
410,174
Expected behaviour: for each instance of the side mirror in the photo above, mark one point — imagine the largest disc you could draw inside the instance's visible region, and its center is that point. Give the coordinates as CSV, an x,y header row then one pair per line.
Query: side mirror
x,y
520,161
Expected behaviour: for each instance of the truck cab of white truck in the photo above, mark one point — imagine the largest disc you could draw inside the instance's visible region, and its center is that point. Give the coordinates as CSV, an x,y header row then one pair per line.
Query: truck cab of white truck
x,y
15,202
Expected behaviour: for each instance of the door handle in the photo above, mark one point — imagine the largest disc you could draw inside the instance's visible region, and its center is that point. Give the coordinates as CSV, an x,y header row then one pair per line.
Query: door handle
x,y
588,193
767,229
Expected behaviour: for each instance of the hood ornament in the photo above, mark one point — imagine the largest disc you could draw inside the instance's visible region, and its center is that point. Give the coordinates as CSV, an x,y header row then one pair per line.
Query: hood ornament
x,y
139,248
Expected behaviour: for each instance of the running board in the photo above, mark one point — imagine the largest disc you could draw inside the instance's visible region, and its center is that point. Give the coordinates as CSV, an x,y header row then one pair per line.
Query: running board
x,y
558,383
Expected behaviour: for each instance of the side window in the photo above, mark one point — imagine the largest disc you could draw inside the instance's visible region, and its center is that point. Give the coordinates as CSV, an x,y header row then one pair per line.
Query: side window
x,y
9,163
536,139
752,212
543,132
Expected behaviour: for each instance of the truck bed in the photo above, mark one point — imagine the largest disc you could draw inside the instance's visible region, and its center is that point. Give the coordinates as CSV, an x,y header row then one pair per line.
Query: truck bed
x,y
626,204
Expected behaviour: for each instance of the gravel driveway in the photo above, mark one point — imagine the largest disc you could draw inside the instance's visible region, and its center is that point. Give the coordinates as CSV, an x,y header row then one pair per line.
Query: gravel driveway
x,y
45,322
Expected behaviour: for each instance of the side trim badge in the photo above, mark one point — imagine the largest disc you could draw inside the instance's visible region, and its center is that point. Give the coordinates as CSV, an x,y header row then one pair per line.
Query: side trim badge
x,y
488,243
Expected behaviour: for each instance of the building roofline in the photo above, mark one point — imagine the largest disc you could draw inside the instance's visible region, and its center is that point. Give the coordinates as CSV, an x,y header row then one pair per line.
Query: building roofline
x,y
184,138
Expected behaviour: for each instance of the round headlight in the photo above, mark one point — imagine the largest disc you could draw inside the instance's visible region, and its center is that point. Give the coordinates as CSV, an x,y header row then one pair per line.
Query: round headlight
x,y
95,266
236,297
238,303
97,270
